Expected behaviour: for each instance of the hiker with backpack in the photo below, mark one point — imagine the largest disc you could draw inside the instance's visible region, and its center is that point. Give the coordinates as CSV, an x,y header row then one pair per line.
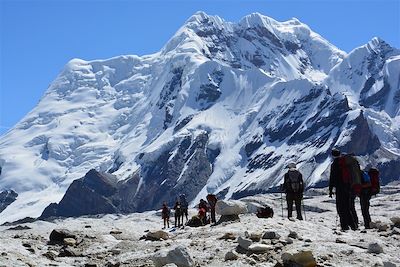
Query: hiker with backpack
x,y
345,178
370,186
293,186
212,201
203,211
165,214
178,213
184,207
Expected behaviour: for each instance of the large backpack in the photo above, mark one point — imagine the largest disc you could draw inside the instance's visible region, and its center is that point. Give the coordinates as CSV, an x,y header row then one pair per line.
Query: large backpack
x,y
351,172
365,180
184,202
375,183
294,182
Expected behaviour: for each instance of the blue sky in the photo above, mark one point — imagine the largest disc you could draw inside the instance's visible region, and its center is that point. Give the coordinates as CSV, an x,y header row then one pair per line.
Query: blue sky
x,y
37,38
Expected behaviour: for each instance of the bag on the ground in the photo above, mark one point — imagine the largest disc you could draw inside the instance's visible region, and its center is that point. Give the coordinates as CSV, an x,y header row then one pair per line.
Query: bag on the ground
x,y
351,172
265,212
375,183
294,182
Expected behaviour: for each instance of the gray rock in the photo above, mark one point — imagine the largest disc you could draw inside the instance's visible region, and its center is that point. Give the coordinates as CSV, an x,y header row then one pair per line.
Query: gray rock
x,y
293,234
157,235
244,242
260,248
388,264
396,221
51,254
228,218
179,256
231,207
69,252
231,255
228,236
302,258
69,241
271,235
58,236
375,248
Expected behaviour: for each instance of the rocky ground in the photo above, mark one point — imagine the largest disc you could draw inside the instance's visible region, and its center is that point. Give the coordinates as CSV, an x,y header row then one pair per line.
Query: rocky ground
x,y
117,240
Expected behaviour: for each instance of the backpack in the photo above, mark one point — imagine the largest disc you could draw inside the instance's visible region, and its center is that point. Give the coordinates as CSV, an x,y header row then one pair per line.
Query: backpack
x,y
294,182
184,202
365,180
265,212
212,200
375,183
351,172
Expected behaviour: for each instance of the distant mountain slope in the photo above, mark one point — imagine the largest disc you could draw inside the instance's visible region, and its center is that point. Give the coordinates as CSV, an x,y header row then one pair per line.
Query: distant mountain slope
x,y
223,107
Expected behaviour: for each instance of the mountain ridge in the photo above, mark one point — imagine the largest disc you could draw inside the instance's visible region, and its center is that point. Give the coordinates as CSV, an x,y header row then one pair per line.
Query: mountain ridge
x,y
230,105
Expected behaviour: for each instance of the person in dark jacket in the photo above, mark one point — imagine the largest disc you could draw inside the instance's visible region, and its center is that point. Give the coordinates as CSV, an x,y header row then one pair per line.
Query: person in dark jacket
x,y
165,215
178,213
203,208
212,201
293,186
344,194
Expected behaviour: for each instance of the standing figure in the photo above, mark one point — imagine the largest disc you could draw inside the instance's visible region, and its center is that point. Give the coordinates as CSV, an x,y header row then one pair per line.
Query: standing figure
x,y
341,179
203,211
178,213
370,186
212,201
185,206
293,186
165,214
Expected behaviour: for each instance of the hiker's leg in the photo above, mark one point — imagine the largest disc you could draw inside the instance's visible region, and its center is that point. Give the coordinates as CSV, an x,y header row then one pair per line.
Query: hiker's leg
x,y
289,200
353,213
340,207
213,215
298,207
364,202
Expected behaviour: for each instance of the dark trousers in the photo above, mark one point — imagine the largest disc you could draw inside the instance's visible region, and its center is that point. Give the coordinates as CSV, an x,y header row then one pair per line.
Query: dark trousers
x,y
345,208
296,198
365,197
212,211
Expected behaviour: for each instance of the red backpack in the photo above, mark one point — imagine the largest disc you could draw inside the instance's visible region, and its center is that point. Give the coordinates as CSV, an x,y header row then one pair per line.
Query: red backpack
x,y
351,172
375,183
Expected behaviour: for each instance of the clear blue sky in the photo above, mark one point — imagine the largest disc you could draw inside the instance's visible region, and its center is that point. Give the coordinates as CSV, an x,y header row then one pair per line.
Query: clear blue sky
x,y
38,37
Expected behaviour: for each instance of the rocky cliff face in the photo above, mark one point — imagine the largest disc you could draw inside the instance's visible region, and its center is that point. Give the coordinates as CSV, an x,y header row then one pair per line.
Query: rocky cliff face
x,y
6,198
222,108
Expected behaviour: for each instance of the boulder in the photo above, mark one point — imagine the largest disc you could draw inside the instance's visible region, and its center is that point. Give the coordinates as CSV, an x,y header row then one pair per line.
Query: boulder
x,y
388,264
244,242
255,237
396,221
300,259
157,235
69,241
228,236
260,248
179,256
271,235
228,218
68,252
293,234
231,207
231,255
375,248
57,236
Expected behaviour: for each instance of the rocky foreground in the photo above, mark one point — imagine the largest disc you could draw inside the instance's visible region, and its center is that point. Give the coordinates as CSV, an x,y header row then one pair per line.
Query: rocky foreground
x,y
137,239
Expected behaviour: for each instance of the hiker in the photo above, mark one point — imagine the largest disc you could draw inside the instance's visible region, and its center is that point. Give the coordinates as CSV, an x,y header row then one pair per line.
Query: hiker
x,y
342,177
178,213
293,186
203,211
184,206
370,187
165,214
212,201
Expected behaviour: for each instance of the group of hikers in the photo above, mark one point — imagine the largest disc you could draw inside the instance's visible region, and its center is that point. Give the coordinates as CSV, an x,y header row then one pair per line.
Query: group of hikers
x,y
181,210
346,177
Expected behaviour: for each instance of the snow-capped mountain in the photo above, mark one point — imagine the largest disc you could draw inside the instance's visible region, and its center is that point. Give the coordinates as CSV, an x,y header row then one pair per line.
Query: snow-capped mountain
x,y
222,108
